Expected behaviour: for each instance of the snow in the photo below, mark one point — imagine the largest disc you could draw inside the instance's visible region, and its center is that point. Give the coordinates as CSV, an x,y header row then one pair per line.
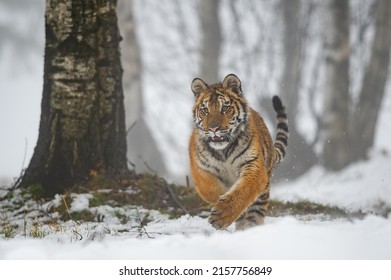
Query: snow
x,y
364,186
80,202
281,238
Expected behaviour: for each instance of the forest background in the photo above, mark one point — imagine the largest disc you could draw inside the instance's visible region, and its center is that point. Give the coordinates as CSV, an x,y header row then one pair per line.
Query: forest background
x,y
328,60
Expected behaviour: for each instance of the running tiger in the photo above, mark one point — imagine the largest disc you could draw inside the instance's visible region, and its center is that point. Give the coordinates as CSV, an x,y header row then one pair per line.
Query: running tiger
x,y
232,154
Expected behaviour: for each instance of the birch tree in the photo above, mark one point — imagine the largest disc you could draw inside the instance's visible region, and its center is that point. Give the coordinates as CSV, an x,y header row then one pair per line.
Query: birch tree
x,y
82,126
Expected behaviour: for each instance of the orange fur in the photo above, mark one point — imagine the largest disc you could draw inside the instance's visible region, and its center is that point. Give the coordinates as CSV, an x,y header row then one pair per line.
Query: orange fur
x,y
231,154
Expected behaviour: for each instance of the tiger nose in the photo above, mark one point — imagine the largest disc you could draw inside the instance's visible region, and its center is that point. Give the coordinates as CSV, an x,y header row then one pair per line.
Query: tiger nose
x,y
213,129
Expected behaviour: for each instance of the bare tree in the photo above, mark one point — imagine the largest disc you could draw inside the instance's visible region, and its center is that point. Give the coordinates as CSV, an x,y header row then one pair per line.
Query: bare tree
x,y
143,152
365,117
211,40
336,100
300,155
82,127
348,128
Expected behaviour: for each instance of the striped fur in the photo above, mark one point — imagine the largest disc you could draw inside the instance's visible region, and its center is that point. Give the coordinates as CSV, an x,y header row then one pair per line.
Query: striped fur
x,y
232,154
281,141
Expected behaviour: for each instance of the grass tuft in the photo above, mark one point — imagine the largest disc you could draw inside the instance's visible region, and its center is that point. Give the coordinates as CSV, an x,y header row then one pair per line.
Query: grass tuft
x,y
37,191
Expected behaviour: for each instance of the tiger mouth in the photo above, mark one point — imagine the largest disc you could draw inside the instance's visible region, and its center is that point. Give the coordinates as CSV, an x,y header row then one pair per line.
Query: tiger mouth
x,y
217,138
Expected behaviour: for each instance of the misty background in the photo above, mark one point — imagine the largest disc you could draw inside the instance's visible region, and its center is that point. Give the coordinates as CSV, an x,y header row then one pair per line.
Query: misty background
x,y
274,47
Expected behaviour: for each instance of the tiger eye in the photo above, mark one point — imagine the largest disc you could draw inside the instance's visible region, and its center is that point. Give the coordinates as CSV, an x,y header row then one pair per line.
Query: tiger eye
x,y
204,111
225,109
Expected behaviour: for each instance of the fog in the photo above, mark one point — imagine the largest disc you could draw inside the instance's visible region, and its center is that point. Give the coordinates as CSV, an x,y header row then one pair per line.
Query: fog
x,y
169,38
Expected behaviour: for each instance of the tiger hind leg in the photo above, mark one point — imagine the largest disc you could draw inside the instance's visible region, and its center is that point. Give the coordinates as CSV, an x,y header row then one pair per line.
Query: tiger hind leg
x,y
255,214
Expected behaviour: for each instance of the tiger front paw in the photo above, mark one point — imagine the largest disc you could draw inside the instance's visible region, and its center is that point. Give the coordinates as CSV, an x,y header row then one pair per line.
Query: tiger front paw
x,y
222,214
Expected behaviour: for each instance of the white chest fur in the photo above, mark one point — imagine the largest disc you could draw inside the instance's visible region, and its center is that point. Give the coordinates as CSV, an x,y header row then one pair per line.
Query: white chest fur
x,y
227,169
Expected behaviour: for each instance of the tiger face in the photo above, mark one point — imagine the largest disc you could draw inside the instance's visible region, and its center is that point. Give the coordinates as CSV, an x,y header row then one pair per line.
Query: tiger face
x,y
220,111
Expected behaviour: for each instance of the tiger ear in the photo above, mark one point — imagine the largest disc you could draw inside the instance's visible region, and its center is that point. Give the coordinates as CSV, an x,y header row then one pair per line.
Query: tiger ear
x,y
197,86
233,83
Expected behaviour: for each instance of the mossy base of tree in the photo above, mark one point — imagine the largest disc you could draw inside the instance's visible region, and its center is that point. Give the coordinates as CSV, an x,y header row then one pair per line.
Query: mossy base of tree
x,y
147,190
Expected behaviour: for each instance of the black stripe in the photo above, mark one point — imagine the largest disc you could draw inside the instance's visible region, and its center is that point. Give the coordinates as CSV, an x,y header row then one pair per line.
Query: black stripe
x,y
231,148
202,158
264,196
217,170
279,145
282,115
282,133
280,148
284,140
203,162
283,126
244,110
260,212
213,153
248,161
236,107
243,151
240,108
260,203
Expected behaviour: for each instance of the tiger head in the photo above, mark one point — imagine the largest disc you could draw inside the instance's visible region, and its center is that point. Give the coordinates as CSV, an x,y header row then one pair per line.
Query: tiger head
x,y
220,111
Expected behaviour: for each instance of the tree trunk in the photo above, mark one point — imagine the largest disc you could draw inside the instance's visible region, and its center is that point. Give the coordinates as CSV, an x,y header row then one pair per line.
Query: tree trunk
x,y
292,52
82,127
211,40
143,152
375,77
300,156
336,103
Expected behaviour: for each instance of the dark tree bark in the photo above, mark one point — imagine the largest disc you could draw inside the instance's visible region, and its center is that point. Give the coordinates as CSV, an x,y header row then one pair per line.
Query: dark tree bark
x,y
211,40
365,117
143,152
335,118
82,127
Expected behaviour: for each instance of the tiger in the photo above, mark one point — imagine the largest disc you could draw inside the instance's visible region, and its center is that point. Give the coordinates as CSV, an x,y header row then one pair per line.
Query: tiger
x,y
232,154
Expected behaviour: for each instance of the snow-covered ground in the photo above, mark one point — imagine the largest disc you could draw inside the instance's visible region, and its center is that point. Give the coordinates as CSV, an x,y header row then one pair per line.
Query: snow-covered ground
x,y
364,186
282,238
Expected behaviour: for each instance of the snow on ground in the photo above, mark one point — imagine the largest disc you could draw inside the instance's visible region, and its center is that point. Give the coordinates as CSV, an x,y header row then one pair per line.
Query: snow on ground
x,y
280,238
364,186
